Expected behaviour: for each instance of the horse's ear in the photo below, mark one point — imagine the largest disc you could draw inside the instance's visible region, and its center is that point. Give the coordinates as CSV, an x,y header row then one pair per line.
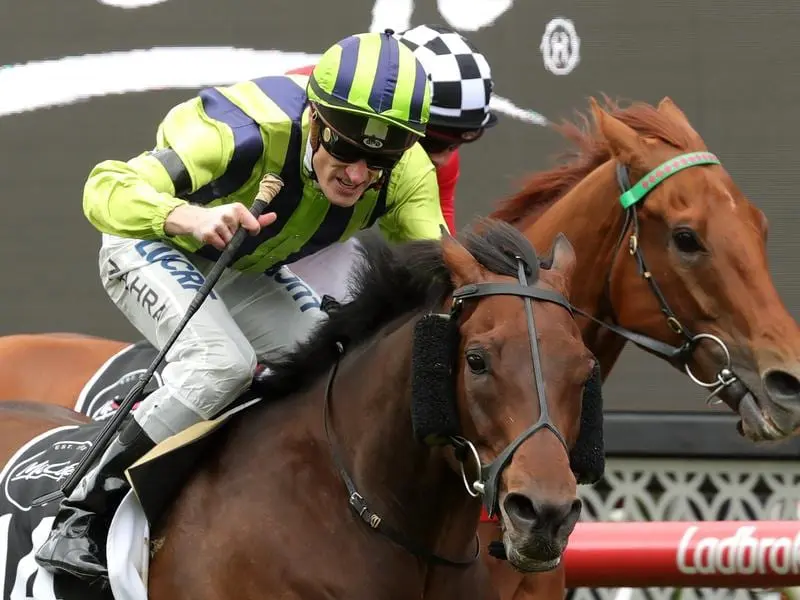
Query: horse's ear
x,y
462,265
669,109
564,259
626,145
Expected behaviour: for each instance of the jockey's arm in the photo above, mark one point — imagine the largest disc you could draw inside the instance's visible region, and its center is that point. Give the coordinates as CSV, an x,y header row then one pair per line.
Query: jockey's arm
x,y
133,198
415,212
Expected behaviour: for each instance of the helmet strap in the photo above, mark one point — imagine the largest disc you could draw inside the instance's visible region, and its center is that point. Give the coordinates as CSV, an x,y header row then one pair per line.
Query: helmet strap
x,y
313,142
313,130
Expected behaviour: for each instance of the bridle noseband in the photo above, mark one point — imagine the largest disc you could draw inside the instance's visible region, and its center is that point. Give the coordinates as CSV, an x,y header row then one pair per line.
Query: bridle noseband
x,y
487,483
629,199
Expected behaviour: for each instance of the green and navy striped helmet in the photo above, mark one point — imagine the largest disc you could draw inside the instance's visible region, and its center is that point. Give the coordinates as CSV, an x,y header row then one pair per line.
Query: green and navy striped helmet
x,y
378,81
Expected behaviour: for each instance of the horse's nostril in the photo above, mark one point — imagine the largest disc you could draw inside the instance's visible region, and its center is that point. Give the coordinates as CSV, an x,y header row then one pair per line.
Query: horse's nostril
x,y
528,515
781,385
521,508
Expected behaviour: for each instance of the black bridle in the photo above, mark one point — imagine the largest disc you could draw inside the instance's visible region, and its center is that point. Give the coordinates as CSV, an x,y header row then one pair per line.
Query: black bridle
x,y
631,197
487,483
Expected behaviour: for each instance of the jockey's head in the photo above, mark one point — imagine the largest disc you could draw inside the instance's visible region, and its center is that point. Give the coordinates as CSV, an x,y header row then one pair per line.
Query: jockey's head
x,y
370,102
461,83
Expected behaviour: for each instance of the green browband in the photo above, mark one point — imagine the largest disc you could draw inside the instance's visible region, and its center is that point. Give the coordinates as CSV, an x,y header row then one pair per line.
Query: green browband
x,y
662,172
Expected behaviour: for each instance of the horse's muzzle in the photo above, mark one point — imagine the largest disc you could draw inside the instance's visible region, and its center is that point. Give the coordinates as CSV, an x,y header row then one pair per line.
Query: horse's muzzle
x,y
536,532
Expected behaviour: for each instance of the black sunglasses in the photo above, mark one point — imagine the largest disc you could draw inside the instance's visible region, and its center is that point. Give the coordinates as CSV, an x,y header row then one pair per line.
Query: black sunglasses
x,y
436,141
346,152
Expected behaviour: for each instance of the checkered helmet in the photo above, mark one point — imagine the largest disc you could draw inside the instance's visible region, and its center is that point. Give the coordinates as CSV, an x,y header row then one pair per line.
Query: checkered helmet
x,y
461,78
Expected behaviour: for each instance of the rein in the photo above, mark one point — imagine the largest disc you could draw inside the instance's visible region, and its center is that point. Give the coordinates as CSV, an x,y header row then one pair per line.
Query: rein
x,y
359,504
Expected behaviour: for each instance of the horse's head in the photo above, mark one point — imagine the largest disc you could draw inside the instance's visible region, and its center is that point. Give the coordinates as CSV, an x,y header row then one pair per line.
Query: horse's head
x,y
700,266
521,368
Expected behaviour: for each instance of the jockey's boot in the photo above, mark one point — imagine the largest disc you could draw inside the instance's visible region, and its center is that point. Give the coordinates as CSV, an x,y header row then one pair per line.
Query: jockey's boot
x,y
81,524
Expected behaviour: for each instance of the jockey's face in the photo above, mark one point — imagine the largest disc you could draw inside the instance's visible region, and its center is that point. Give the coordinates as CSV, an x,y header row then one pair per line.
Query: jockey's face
x,y
441,142
342,183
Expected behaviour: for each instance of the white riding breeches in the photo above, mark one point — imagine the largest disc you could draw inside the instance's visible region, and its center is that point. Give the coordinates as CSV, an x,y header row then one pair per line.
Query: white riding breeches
x,y
214,358
328,271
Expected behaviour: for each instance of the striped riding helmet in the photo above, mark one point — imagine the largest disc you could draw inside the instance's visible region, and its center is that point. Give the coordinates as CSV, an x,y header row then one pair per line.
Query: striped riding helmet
x,y
372,90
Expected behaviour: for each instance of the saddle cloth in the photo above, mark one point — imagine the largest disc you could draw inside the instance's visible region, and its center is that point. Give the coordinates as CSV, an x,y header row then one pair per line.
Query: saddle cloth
x,y
42,465
37,468
104,392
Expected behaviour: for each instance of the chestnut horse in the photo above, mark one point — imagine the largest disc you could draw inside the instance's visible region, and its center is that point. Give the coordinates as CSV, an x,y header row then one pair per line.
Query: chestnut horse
x,y
678,266
471,348
688,259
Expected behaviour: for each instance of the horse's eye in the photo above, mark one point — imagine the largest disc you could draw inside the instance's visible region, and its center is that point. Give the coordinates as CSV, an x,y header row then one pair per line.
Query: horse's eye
x,y
686,241
476,362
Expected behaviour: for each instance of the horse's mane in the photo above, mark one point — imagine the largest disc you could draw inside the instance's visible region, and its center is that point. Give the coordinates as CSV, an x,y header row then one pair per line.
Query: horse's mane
x,y
590,150
392,280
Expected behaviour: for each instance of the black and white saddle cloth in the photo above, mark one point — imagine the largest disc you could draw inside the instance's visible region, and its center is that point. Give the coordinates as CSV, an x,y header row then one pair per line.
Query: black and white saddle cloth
x,y
42,465
37,468
105,391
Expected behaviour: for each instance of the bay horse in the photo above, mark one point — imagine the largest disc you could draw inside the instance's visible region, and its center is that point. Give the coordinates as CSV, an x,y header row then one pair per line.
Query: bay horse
x,y
455,366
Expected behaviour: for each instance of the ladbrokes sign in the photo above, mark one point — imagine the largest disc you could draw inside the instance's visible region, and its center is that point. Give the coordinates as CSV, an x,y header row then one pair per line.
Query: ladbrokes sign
x,y
87,80
741,553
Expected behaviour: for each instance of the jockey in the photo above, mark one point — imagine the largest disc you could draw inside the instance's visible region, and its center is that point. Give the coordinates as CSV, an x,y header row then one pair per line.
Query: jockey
x,y
462,84
344,143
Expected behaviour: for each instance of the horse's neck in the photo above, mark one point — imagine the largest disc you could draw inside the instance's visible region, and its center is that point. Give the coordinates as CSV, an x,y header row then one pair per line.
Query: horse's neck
x,y
591,217
410,485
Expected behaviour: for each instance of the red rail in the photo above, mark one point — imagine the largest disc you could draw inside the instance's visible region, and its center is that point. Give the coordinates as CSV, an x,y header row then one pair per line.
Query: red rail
x,y
725,554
